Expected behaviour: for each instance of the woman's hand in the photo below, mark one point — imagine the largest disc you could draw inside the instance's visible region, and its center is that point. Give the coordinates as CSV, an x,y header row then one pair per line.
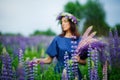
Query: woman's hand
x,y
46,60
77,58
37,61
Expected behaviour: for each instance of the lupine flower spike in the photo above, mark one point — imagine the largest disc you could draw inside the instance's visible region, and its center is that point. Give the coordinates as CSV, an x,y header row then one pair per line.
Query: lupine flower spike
x,y
7,71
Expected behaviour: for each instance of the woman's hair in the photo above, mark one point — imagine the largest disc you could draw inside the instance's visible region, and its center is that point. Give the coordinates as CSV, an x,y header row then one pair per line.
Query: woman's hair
x,y
73,29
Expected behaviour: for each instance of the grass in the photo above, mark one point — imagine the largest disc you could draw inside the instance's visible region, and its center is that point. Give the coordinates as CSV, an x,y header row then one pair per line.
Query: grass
x,y
46,71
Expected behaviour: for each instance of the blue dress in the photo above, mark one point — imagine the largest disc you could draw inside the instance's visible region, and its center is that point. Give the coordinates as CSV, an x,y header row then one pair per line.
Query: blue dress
x,y
57,49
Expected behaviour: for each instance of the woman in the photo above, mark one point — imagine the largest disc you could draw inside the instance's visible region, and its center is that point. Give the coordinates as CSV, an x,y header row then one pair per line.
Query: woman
x,y
62,43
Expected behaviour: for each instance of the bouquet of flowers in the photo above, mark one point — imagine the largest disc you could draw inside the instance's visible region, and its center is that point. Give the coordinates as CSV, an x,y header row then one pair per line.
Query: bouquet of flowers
x,y
81,50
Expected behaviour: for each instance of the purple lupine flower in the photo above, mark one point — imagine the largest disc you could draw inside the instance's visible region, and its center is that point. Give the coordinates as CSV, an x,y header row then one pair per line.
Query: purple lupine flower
x,y
111,45
7,71
116,38
16,42
20,56
83,51
71,65
75,63
35,69
66,65
95,45
21,69
114,46
102,55
93,63
31,69
73,19
64,74
105,77
96,63
89,61
68,16
21,72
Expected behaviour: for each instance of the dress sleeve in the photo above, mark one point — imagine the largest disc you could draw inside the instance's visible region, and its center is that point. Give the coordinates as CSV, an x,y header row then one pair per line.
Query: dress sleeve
x,y
52,48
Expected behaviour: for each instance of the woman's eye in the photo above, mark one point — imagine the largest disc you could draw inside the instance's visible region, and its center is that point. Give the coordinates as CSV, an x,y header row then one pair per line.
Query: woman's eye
x,y
65,21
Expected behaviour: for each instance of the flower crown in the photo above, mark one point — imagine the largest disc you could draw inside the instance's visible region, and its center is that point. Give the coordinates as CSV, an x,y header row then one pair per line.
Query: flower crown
x,y
68,16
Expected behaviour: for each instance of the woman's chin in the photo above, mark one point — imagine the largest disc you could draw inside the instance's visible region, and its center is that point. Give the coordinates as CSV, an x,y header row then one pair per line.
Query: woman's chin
x,y
64,30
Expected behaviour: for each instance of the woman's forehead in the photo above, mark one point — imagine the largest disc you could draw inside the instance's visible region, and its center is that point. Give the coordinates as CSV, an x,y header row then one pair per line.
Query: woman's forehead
x,y
64,18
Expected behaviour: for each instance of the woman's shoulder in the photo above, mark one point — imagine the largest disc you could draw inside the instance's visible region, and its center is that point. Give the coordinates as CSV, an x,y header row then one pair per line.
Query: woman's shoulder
x,y
59,38
62,37
56,38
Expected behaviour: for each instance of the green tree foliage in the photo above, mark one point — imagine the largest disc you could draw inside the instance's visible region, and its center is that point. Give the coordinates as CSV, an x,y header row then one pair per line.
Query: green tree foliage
x,y
10,34
48,32
95,15
117,26
0,33
74,8
92,12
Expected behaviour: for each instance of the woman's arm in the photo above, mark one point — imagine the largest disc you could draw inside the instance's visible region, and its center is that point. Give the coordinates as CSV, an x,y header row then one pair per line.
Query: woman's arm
x,y
46,60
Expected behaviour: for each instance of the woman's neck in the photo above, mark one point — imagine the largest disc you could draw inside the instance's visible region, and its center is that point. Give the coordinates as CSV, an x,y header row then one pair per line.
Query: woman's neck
x,y
68,34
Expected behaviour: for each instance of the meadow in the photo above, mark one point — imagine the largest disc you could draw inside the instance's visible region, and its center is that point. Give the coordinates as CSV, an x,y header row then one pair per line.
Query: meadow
x,y
16,52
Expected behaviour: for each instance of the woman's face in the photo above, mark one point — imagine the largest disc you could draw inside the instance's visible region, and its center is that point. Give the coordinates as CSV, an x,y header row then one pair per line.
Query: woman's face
x,y
65,24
